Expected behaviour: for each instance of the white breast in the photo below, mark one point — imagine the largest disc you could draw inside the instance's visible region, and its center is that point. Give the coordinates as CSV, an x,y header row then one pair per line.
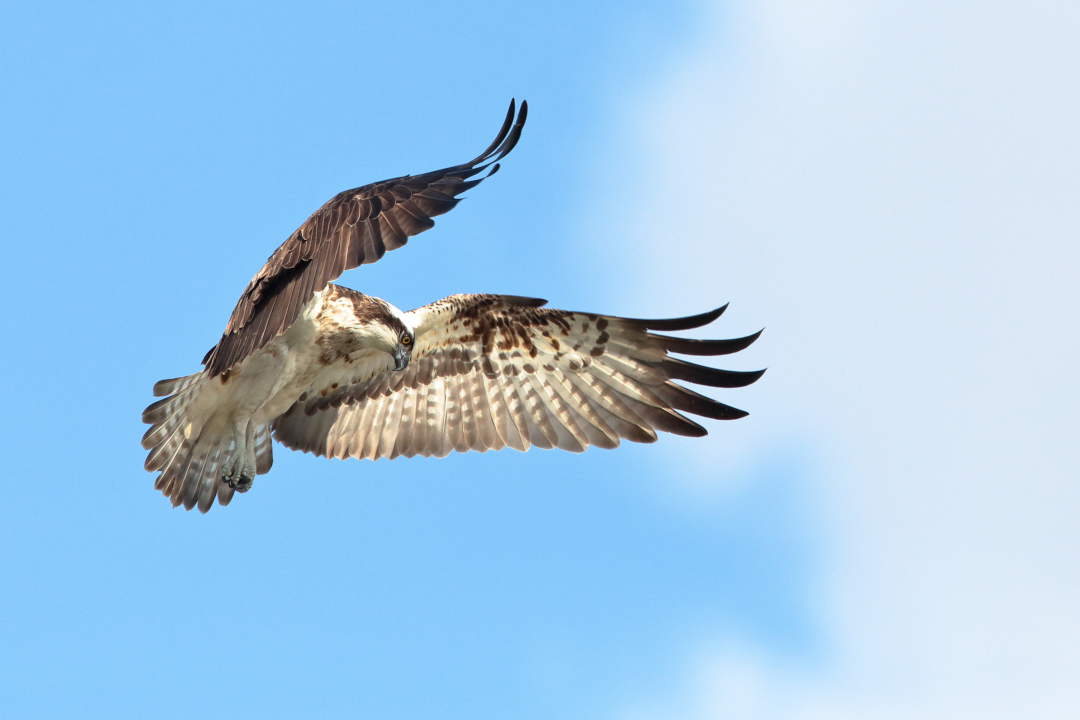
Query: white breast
x,y
268,382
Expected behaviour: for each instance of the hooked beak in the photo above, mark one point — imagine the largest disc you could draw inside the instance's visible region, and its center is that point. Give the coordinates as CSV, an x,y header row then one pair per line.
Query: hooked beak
x,y
401,358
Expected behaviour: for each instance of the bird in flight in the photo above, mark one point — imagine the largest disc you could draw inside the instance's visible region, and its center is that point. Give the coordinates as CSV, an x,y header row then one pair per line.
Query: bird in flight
x,y
331,371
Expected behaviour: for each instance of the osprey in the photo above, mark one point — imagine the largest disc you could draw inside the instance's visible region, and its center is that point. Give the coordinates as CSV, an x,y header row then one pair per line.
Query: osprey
x,y
331,371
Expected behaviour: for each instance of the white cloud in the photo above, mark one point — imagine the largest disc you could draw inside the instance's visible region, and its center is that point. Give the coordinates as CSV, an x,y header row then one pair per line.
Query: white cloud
x,y
892,189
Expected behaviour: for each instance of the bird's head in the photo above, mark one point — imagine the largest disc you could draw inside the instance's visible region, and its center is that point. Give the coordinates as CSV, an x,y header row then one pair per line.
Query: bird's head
x,y
381,326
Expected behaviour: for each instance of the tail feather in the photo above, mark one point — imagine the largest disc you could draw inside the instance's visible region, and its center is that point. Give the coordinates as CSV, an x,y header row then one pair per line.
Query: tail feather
x,y
175,386
264,450
188,467
169,466
224,494
192,478
182,487
167,418
190,460
209,481
168,415
199,484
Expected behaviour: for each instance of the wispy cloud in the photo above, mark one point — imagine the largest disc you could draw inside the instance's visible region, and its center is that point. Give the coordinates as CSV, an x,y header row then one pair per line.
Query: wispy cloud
x,y
891,190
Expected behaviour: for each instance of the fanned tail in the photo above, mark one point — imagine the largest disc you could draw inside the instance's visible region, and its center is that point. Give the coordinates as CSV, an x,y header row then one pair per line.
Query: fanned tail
x,y
189,459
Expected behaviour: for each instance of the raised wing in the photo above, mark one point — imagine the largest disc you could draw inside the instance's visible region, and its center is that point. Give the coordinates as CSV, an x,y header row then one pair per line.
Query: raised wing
x,y
491,371
353,228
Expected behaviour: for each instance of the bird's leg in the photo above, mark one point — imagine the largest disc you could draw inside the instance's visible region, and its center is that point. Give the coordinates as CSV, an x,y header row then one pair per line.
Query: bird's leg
x,y
239,470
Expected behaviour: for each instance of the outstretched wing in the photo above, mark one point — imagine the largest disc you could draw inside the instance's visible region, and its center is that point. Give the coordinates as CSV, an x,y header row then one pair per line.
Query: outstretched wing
x,y
490,371
353,228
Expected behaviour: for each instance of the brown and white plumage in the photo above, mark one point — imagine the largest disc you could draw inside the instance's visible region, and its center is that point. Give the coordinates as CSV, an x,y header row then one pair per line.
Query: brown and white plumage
x,y
331,371
491,371
352,228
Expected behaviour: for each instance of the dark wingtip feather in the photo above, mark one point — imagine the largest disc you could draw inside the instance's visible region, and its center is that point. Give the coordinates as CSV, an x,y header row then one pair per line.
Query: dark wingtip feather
x,y
689,401
720,411
498,138
712,377
515,132
685,346
523,301
683,323
258,317
684,426
508,136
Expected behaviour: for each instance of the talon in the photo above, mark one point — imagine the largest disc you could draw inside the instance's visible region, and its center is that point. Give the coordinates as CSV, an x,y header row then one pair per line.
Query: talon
x,y
239,483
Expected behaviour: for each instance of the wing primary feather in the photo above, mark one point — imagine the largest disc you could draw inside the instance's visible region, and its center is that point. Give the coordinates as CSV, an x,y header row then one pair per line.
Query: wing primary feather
x,y
624,384
464,186
713,377
515,132
628,430
522,301
689,401
686,346
667,420
684,323
563,414
576,399
607,398
498,138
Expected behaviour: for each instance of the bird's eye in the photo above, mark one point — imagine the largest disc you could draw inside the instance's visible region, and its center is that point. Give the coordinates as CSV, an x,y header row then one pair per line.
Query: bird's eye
x,y
406,340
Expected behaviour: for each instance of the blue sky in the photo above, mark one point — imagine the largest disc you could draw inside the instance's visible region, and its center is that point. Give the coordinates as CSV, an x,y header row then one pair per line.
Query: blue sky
x,y
156,156
889,190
